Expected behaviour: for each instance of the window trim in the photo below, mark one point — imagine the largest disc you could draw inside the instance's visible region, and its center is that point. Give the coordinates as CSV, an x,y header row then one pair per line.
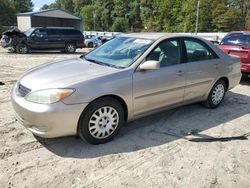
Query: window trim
x,y
201,43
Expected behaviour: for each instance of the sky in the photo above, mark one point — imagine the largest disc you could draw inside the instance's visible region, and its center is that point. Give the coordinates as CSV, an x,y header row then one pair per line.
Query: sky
x,y
39,3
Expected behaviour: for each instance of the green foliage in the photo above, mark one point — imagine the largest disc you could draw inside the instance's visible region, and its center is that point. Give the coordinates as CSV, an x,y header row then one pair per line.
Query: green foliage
x,y
8,13
50,6
145,15
120,24
87,15
23,5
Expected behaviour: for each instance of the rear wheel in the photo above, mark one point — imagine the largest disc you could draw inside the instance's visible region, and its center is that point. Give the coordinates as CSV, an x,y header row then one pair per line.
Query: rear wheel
x,y
216,95
70,48
91,45
101,121
22,48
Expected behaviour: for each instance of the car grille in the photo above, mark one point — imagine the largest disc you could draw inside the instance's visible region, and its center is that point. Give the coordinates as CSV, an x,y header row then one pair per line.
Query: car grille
x,y
23,91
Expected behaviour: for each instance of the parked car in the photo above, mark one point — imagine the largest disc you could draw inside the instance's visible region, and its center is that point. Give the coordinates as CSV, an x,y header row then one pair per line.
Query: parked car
x,y
215,42
124,79
238,43
38,38
92,41
106,38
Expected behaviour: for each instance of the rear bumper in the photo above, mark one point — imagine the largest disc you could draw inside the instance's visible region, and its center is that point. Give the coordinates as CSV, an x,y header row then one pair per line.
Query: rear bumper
x,y
245,68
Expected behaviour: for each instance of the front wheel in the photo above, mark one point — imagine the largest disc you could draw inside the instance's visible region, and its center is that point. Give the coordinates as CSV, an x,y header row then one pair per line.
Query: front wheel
x,y
91,45
22,48
216,95
101,121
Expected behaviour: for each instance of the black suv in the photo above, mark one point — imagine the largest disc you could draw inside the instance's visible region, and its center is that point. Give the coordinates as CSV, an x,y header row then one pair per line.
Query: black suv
x,y
38,38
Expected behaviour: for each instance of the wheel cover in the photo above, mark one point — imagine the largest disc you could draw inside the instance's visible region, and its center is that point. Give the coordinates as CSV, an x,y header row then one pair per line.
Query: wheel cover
x,y
103,122
71,48
23,49
218,94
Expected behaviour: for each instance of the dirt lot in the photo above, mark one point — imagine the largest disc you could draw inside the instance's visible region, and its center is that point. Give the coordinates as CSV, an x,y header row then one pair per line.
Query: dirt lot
x,y
150,152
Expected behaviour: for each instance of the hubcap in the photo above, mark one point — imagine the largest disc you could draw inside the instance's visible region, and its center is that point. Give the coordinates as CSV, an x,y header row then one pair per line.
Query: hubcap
x,y
103,122
23,49
218,94
71,48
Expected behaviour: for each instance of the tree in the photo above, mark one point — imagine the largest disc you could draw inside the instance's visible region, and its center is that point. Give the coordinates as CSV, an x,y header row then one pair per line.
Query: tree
x,y
50,6
120,24
159,15
23,5
66,5
78,4
8,13
87,15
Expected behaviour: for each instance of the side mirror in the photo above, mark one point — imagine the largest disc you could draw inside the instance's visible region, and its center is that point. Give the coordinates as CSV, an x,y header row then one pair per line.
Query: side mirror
x,y
33,35
150,65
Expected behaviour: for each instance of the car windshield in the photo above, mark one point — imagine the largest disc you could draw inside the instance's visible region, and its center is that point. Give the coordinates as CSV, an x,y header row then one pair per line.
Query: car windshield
x,y
29,31
120,52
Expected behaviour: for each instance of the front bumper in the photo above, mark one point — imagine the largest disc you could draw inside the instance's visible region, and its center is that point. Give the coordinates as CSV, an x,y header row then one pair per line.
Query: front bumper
x,y
47,120
4,43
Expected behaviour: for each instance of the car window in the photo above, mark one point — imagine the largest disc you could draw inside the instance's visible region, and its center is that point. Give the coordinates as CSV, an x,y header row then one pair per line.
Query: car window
x,y
248,40
75,32
167,53
52,32
234,39
41,33
197,51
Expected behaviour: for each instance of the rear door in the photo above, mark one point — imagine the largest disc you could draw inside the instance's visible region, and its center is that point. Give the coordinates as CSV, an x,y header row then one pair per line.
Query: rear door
x,y
55,39
202,68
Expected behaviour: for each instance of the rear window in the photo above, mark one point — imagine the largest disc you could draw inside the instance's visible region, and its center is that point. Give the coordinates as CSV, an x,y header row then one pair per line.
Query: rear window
x,y
236,39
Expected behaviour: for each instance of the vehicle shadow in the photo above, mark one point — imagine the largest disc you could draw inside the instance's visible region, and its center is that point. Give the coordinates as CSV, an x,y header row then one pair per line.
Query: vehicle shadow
x,y
155,130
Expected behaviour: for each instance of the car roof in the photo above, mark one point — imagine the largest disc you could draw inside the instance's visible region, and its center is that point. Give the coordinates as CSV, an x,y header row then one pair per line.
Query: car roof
x,y
156,36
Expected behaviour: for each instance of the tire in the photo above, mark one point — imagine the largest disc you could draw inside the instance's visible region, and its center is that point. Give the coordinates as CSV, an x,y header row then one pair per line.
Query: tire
x,y
216,94
245,75
22,48
91,45
70,48
101,121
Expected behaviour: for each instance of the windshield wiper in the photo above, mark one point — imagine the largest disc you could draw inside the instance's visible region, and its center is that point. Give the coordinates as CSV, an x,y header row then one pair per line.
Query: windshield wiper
x,y
101,63
115,66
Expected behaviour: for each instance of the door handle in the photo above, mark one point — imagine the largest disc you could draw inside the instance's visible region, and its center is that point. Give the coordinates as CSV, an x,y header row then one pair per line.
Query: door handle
x,y
217,66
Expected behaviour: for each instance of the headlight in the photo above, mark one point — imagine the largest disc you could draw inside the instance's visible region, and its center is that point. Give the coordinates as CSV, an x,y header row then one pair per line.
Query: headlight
x,y
48,96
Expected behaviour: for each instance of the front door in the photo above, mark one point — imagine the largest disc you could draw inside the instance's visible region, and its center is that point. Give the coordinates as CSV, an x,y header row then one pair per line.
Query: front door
x,y
39,39
155,89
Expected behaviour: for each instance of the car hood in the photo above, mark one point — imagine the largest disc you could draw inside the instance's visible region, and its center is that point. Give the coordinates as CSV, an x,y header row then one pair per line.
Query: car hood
x,y
13,32
63,73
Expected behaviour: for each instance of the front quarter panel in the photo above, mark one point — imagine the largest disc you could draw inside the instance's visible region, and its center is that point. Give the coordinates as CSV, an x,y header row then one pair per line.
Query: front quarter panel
x,y
118,84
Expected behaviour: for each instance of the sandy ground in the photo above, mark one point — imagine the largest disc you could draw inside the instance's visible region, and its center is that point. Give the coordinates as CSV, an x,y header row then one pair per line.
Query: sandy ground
x,y
149,152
